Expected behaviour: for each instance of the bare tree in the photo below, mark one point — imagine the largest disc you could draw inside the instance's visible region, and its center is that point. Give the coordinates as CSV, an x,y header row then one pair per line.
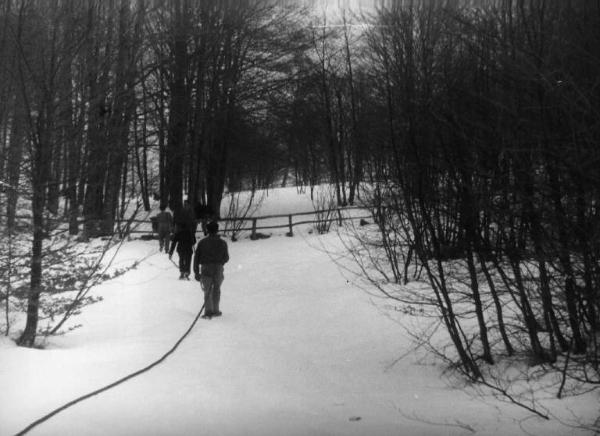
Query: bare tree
x,y
58,105
478,171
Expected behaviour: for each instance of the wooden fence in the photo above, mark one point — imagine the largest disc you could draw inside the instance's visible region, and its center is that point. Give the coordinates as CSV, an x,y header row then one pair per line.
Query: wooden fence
x,y
252,223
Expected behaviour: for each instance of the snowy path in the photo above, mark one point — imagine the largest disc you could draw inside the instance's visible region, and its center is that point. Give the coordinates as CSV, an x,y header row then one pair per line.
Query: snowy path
x,y
298,351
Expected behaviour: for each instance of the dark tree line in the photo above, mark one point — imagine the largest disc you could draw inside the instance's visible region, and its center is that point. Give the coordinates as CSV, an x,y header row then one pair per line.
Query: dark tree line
x,y
484,171
221,62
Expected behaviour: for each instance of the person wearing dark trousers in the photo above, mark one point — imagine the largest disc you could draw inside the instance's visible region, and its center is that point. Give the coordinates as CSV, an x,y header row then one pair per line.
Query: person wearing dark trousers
x,y
184,240
211,255
164,221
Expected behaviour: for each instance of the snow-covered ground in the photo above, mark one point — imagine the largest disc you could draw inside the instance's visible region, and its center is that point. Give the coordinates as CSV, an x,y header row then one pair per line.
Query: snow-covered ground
x,y
299,350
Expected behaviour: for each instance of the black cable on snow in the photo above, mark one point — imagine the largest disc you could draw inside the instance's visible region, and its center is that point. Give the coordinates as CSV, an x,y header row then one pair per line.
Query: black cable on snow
x,y
114,384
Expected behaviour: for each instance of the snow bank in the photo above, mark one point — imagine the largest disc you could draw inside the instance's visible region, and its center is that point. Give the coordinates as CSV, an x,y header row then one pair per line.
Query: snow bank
x,y
299,350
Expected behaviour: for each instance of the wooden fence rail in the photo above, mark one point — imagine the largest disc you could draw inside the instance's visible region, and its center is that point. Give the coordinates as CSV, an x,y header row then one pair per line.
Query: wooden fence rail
x,y
322,217
255,227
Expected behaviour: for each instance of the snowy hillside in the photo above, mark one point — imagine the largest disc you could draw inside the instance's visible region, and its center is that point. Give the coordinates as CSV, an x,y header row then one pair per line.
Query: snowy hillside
x,y
299,350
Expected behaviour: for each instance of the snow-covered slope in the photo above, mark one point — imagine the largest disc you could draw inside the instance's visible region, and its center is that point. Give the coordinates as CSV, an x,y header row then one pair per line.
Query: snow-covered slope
x,y
299,350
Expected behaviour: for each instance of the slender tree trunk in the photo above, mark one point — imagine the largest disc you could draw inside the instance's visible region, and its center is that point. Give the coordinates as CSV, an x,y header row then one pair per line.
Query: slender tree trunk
x,y
341,139
176,152
98,113
15,157
40,170
539,354
356,142
498,306
474,284
73,162
579,344
119,123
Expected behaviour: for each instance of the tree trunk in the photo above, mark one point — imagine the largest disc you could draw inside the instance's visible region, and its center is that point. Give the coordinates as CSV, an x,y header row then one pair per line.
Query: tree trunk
x,y
40,169
498,306
119,122
176,152
98,113
15,157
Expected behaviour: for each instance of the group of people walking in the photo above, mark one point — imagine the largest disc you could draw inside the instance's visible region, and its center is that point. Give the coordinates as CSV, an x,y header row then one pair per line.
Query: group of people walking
x,y
178,232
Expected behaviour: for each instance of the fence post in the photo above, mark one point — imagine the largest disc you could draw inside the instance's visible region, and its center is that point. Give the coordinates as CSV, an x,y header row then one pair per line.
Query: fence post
x,y
339,217
291,232
253,235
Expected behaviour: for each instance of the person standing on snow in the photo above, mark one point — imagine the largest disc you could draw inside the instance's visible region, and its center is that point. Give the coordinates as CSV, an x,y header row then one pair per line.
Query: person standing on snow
x,y
211,255
184,239
185,218
164,222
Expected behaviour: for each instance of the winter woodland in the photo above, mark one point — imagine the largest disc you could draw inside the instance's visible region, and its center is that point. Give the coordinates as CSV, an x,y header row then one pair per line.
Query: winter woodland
x,y
447,151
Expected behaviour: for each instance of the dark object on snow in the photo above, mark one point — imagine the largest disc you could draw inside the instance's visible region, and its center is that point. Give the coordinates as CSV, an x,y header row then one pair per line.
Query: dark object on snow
x,y
259,235
364,222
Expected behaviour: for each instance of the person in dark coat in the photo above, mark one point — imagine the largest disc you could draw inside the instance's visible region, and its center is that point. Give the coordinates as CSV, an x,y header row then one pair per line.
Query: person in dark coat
x,y
185,218
184,239
164,223
211,255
